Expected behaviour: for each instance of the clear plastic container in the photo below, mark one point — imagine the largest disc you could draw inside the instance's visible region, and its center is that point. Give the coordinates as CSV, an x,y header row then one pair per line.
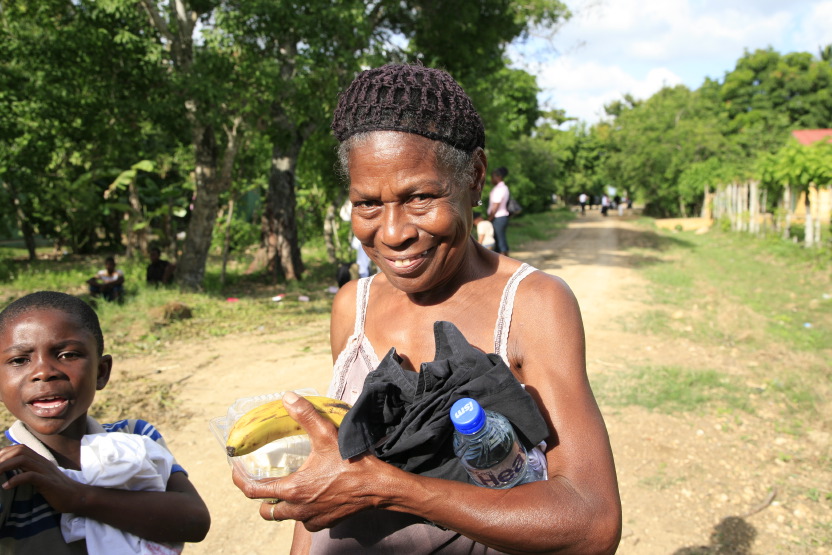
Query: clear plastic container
x,y
274,460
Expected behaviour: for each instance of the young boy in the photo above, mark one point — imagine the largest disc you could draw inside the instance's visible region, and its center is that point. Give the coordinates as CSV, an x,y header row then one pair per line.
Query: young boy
x,y
51,365
108,282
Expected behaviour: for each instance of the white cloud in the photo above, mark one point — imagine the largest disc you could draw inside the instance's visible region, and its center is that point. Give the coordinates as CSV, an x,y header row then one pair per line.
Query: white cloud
x,y
613,47
815,32
584,88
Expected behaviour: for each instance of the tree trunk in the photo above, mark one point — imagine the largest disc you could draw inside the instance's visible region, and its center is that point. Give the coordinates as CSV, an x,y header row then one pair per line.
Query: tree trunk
x,y
22,221
226,244
764,204
331,234
809,224
282,257
190,271
176,27
136,233
787,205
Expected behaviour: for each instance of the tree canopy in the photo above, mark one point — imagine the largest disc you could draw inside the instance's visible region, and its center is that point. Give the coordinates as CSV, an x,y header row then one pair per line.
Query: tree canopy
x,y
130,122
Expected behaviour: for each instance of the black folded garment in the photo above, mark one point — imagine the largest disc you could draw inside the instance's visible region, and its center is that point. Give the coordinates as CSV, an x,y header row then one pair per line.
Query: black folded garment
x,y
402,417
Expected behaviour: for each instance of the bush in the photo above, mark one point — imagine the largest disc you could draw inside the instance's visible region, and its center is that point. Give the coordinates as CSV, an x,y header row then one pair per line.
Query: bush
x,y
243,234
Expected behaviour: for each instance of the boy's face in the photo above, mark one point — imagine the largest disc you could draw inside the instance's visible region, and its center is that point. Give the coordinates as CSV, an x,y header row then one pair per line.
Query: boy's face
x,y
49,371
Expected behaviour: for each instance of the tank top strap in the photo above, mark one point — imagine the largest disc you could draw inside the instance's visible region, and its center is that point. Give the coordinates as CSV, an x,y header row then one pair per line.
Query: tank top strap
x,y
362,298
501,329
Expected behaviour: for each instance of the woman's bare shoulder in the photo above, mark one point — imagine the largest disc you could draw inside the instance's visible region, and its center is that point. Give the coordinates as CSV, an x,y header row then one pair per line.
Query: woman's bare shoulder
x,y
540,285
342,319
546,323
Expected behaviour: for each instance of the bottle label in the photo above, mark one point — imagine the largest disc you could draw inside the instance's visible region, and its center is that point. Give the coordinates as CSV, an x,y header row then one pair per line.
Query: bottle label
x,y
504,473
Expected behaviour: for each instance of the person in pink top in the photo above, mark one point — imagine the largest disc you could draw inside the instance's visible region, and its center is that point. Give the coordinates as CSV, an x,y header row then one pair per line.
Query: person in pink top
x,y
497,208
412,145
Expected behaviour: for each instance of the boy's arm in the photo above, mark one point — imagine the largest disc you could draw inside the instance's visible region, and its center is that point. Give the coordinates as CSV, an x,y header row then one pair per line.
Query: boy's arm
x,y
175,515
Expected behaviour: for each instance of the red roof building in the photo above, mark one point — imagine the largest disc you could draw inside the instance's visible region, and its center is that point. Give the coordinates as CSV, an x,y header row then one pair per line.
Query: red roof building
x,y
809,136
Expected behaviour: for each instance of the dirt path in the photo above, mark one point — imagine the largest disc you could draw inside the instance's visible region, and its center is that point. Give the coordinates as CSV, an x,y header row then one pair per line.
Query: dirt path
x,y
680,476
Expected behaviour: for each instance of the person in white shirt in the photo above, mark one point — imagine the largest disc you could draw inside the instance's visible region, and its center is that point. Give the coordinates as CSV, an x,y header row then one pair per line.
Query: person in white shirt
x,y
485,232
109,282
497,210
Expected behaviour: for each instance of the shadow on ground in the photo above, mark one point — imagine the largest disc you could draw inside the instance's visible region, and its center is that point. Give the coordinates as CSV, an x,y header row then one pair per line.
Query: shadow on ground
x,y
579,243
733,535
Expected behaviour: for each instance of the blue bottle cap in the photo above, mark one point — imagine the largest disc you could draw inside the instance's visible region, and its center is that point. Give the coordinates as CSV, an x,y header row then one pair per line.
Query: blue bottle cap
x,y
467,416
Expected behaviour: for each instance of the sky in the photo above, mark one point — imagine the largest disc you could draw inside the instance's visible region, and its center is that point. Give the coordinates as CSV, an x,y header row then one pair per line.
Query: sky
x,y
613,47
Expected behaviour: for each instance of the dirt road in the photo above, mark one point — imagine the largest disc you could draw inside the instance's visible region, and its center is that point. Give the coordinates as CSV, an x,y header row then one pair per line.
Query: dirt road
x,y
680,476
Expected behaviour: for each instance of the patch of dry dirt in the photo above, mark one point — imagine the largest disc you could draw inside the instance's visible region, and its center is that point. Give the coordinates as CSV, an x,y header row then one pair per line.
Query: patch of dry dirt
x,y
689,483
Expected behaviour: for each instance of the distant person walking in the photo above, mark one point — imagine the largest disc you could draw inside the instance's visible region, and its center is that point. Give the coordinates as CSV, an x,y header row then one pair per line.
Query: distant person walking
x,y
497,211
605,205
582,199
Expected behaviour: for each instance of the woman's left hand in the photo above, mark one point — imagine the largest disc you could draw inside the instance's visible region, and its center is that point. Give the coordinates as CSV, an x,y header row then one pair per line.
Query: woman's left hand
x,y
326,488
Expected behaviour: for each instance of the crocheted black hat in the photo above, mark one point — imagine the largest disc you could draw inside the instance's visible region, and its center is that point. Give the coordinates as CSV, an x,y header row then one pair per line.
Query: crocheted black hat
x,y
409,98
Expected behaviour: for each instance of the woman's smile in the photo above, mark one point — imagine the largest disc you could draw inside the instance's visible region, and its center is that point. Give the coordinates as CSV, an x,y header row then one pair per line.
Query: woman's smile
x,y
408,263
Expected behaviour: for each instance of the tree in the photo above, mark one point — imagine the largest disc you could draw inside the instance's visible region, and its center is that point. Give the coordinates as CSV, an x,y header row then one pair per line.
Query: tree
x,y
654,142
768,94
505,97
81,97
801,167
196,72
90,89
320,50
311,51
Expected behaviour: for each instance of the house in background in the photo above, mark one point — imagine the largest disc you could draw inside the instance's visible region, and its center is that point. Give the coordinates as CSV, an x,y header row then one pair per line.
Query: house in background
x,y
820,194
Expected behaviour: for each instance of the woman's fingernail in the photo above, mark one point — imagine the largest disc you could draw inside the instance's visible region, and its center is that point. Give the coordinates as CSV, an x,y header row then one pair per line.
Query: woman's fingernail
x,y
290,398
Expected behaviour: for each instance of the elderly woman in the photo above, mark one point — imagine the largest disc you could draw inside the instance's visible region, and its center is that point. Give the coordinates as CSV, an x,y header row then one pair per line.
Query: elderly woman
x,y
412,145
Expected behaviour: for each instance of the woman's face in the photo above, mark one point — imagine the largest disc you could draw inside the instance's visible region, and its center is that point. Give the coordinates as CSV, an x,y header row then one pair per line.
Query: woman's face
x,y
412,219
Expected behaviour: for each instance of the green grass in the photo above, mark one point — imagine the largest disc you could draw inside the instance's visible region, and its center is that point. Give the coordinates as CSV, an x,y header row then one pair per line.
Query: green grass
x,y
527,228
660,480
787,286
671,389
133,327
765,302
137,326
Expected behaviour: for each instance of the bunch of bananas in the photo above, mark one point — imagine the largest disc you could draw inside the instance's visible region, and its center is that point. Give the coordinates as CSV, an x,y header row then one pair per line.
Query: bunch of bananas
x,y
270,421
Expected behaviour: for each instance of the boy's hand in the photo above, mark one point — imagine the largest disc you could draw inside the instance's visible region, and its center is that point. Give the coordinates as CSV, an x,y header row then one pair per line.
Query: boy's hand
x,y
27,467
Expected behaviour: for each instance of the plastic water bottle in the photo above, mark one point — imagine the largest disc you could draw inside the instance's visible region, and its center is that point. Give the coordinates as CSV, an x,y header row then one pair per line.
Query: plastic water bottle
x,y
488,448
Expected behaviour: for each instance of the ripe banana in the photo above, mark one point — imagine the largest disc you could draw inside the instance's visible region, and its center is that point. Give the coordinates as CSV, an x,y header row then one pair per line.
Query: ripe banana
x,y
270,421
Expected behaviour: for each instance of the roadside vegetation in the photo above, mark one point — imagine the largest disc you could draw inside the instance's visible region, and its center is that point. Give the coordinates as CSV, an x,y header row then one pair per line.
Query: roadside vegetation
x,y
762,308
243,302
741,327
188,136
756,299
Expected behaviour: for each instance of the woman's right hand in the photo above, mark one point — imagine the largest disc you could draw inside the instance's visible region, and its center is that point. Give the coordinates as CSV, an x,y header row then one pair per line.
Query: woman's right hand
x,y
326,488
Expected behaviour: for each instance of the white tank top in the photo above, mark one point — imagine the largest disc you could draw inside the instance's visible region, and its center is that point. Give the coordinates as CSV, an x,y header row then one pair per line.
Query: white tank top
x,y
359,358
